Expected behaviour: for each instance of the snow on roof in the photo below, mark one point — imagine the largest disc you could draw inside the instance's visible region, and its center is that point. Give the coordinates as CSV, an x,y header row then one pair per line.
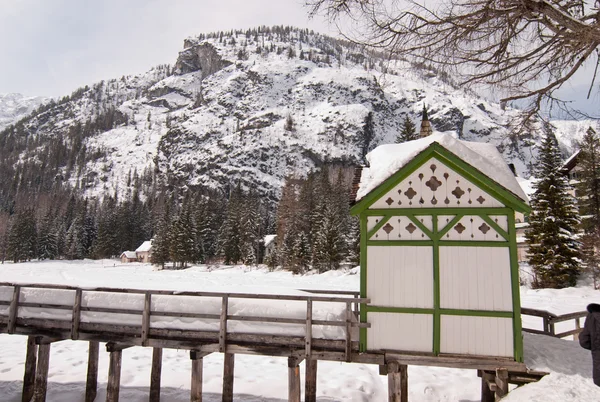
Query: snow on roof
x,y
129,254
146,246
527,185
385,160
269,239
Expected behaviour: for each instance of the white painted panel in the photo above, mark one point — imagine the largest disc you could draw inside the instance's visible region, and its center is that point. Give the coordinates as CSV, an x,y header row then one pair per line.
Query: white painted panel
x,y
399,228
401,332
501,220
434,185
475,278
472,228
443,221
372,221
426,220
483,336
400,276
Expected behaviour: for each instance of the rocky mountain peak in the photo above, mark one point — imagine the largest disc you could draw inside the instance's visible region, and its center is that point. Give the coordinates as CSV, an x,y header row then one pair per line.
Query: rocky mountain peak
x,y
199,57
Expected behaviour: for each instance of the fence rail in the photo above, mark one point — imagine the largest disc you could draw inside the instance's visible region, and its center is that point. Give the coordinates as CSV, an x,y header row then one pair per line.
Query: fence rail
x,y
549,320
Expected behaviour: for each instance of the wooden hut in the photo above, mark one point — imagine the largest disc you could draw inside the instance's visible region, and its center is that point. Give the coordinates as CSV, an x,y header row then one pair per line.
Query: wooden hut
x,y
438,249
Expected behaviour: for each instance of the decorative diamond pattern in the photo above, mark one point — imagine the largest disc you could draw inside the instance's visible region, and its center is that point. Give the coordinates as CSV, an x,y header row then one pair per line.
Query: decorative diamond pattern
x,y
433,183
480,199
389,201
388,228
433,167
458,192
410,193
459,228
411,228
484,228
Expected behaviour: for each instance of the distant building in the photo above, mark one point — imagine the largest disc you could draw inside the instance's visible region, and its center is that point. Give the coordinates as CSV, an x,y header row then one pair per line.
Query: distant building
x,y
144,252
269,242
128,256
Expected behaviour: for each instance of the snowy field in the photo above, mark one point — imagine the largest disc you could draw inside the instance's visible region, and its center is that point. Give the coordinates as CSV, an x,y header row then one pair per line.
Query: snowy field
x,y
265,378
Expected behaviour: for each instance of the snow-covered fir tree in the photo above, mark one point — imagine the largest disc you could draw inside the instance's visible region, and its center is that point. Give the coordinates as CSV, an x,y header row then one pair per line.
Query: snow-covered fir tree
x,y
588,186
553,247
408,131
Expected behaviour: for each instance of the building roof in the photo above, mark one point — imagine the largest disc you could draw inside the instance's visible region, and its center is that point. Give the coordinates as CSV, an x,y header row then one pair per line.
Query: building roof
x,y
570,163
128,254
146,246
386,160
268,239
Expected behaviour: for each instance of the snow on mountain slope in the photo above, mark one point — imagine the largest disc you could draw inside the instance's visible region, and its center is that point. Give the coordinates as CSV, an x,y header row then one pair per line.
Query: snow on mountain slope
x,y
256,106
14,106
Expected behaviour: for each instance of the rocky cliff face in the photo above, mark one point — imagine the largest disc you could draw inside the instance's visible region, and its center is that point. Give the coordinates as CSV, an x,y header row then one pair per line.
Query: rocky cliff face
x,y
255,107
15,106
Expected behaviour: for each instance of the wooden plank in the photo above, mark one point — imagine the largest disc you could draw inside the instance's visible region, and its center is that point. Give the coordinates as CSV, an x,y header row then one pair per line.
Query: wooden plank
x,y
114,376
487,394
76,315
394,382
293,380
228,366
535,331
196,392
403,383
570,316
536,313
578,328
223,325
155,375
310,381
574,332
348,331
30,366
91,384
13,310
501,383
465,362
41,373
308,335
146,318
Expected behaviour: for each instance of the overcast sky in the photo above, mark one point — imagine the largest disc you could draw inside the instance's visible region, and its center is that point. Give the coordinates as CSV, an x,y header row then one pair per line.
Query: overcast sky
x,y
51,47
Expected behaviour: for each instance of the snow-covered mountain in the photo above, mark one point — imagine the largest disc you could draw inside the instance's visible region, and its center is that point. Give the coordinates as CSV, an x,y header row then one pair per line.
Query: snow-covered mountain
x,y
254,107
16,106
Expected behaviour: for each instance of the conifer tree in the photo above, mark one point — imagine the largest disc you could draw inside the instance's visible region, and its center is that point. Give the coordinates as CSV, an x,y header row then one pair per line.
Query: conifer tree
x,y
368,133
161,244
408,132
588,187
553,249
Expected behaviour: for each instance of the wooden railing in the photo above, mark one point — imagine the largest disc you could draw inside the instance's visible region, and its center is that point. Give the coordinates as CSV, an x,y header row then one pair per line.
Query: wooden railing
x,y
146,335
549,321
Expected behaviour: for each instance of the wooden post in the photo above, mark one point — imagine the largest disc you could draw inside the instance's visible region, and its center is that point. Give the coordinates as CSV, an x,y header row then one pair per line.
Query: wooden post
x,y
293,380
229,361
76,315
91,384
155,375
13,311
394,382
577,326
41,373
308,335
501,383
30,364
310,385
223,325
487,394
114,375
146,318
348,331
197,360
404,383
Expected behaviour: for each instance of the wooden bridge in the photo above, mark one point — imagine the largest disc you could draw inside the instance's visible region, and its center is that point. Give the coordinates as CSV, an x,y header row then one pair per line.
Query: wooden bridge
x,y
76,316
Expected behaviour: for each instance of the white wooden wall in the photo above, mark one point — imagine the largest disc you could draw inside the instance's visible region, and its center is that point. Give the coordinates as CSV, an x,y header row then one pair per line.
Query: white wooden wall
x,y
483,336
395,331
475,278
400,276
434,185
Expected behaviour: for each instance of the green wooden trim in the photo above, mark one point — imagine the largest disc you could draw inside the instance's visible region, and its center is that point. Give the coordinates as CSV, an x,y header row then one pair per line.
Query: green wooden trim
x,y
384,219
477,313
449,226
473,243
438,211
495,226
455,163
421,226
514,276
388,243
436,290
363,281
405,310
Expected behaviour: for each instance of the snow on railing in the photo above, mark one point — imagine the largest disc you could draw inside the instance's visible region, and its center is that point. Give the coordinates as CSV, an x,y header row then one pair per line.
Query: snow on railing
x,y
549,321
324,319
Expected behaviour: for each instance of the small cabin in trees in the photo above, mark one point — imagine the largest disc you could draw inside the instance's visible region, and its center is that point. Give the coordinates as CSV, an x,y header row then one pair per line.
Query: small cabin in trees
x,y
438,249
128,256
144,252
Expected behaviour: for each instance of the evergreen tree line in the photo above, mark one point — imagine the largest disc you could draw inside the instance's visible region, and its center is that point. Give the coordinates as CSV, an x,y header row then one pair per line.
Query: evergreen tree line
x,y
314,227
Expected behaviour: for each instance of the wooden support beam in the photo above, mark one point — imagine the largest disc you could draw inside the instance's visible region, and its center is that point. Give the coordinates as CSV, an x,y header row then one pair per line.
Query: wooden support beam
x,y
41,373
146,318
310,381
349,317
197,361
488,386
395,383
30,365
76,315
114,375
155,375
308,335
91,383
13,310
223,325
501,383
293,379
229,360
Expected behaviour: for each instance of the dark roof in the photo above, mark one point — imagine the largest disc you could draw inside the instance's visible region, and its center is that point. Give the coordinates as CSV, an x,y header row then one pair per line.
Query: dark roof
x,y
570,163
355,184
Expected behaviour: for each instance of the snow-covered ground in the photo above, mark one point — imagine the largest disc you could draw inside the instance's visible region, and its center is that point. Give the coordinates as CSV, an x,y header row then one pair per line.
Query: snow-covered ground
x,y
265,378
